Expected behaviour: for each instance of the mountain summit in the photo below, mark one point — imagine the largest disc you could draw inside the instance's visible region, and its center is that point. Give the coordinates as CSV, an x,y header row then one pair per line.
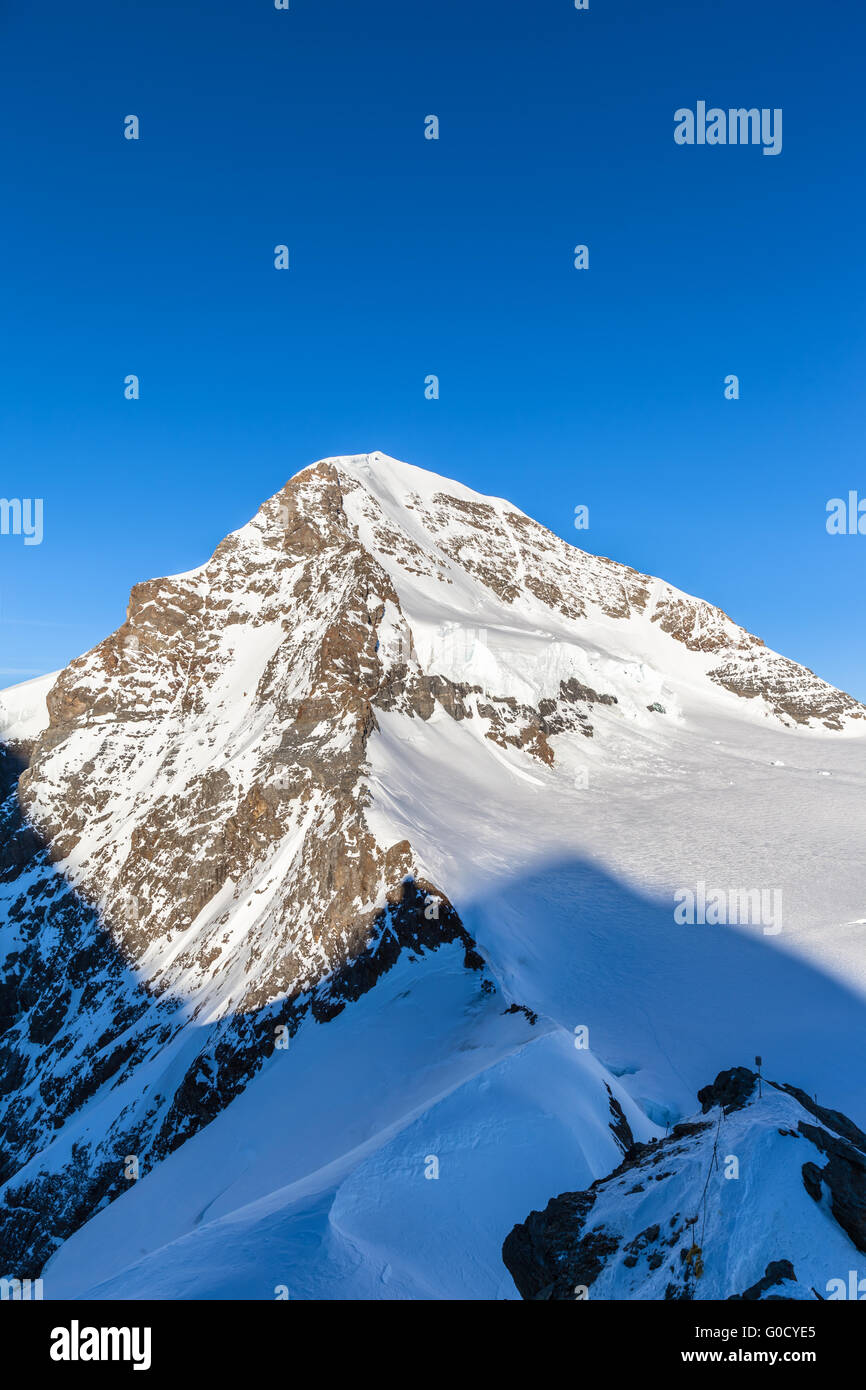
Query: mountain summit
x,y
337,889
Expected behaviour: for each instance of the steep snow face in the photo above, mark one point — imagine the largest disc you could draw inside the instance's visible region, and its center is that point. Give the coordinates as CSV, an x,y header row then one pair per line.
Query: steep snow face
x,y
492,597
24,710
392,723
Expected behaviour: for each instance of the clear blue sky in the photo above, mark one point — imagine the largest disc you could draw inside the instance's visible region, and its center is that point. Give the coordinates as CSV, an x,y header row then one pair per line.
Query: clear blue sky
x,y
454,257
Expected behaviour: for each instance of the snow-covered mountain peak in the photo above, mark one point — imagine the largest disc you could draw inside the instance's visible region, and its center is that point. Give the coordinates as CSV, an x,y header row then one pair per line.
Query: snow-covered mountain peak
x,y
491,596
393,727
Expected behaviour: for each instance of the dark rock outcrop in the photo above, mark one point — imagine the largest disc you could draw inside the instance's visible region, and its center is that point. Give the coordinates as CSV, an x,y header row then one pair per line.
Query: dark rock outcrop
x,y
777,1272
731,1089
844,1176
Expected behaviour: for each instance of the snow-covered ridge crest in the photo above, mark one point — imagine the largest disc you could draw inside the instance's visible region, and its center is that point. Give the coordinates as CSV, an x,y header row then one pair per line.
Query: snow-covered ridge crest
x,y
668,1222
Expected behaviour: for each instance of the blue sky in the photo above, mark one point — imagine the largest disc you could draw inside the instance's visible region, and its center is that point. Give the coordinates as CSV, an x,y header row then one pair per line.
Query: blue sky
x,y
453,257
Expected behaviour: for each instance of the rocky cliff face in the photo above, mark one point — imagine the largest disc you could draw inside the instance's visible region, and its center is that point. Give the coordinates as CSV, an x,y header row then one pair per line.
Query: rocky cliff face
x,y
187,864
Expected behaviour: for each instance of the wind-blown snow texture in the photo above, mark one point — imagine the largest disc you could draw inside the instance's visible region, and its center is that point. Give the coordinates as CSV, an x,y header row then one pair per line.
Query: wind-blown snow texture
x,y
320,860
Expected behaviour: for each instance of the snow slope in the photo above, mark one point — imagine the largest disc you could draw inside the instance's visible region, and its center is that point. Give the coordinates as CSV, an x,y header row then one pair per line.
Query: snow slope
x,y
23,711
315,1177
